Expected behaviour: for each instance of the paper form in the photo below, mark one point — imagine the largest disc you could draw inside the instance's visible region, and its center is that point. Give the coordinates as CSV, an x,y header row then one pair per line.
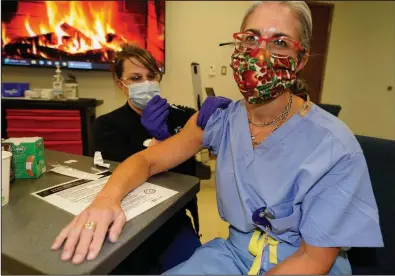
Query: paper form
x,y
74,196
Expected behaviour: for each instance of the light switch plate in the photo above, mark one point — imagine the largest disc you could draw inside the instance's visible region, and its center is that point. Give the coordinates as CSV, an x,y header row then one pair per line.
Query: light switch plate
x,y
223,70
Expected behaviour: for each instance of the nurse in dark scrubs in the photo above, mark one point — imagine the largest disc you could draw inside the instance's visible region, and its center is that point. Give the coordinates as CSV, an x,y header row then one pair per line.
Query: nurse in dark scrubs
x,y
144,120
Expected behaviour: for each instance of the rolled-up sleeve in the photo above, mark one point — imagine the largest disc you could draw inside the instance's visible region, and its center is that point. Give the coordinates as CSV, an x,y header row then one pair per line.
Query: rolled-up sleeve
x,y
340,210
214,130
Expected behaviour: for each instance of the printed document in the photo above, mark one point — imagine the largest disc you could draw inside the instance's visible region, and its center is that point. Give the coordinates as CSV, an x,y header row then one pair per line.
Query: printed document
x,y
74,196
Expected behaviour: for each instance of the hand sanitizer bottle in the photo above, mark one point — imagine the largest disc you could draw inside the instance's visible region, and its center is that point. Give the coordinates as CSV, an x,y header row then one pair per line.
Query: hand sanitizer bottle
x,y
57,84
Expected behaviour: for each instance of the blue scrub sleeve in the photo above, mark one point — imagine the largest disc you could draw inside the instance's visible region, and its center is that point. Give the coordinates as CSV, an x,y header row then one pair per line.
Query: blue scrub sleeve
x,y
340,210
214,130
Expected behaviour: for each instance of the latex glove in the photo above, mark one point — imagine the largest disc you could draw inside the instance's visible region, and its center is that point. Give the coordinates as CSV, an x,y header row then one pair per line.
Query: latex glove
x,y
154,118
210,105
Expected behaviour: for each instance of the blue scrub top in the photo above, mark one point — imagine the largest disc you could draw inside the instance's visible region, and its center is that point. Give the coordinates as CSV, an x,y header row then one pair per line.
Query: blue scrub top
x,y
311,173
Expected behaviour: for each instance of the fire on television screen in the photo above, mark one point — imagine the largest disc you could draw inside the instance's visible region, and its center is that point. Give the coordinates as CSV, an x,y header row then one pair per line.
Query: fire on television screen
x,y
79,34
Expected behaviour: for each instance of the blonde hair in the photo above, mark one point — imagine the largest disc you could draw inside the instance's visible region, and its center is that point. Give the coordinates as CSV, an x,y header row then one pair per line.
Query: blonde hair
x,y
303,13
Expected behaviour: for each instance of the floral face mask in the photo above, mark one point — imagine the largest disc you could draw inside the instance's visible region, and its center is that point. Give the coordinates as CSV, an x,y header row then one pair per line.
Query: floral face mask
x,y
261,76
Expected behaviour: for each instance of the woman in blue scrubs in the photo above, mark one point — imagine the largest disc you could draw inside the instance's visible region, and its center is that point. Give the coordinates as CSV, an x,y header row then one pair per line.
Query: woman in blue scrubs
x,y
291,179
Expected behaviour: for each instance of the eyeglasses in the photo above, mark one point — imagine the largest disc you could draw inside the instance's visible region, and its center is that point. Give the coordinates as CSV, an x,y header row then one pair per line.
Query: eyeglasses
x,y
137,78
282,46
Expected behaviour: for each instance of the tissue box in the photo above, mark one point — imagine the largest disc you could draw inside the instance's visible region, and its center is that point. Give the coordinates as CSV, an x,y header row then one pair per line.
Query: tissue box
x,y
14,89
27,156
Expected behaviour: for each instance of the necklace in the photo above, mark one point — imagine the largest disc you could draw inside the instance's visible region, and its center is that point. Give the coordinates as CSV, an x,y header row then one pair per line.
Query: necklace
x,y
281,120
275,120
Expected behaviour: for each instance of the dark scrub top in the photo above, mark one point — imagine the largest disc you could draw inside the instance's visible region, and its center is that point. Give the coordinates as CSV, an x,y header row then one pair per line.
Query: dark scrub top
x,y
120,134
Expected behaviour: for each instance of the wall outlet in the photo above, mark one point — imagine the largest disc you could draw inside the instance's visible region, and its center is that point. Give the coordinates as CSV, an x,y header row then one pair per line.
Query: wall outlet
x,y
212,70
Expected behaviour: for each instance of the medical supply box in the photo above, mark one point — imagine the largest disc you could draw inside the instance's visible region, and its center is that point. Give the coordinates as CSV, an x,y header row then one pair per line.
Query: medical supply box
x,y
14,89
28,156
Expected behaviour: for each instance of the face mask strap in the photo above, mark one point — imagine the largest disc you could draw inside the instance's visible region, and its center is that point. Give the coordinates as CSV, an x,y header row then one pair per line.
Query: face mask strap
x,y
127,86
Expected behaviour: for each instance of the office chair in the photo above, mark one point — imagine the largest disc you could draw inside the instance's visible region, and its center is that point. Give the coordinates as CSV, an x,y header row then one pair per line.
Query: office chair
x,y
331,108
380,158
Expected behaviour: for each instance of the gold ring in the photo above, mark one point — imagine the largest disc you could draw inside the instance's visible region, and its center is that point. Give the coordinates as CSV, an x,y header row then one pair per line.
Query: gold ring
x,y
90,225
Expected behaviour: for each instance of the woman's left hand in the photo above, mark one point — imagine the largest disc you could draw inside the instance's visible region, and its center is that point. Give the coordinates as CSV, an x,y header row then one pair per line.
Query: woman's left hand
x,y
210,105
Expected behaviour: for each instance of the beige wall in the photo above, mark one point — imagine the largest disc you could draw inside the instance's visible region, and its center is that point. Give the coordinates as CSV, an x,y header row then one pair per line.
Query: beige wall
x,y
195,28
361,65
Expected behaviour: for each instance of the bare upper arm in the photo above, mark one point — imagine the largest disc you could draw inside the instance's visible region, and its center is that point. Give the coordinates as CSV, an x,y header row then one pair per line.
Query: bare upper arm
x,y
307,260
175,150
322,256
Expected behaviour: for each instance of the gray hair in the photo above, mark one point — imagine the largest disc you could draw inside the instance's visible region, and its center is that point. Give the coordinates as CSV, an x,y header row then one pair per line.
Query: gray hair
x,y
303,13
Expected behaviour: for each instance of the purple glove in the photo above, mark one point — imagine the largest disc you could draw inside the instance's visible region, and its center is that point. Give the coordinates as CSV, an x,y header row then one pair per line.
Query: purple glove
x,y
154,118
210,105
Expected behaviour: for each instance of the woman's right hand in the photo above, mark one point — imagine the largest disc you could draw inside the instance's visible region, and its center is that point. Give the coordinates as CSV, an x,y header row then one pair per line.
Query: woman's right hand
x,y
83,238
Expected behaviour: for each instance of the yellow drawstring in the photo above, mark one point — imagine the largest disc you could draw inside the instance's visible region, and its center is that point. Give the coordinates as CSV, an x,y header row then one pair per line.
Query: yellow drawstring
x,y
273,250
256,247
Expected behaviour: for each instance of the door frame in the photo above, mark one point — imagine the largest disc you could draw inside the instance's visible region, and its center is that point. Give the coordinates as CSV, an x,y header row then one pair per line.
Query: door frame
x,y
331,7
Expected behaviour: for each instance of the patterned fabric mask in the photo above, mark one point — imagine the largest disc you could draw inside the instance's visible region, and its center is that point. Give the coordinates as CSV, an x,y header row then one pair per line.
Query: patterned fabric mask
x,y
262,76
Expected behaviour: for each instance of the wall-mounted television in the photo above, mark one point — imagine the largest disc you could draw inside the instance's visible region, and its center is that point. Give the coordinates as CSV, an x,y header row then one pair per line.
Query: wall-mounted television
x,y
79,34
